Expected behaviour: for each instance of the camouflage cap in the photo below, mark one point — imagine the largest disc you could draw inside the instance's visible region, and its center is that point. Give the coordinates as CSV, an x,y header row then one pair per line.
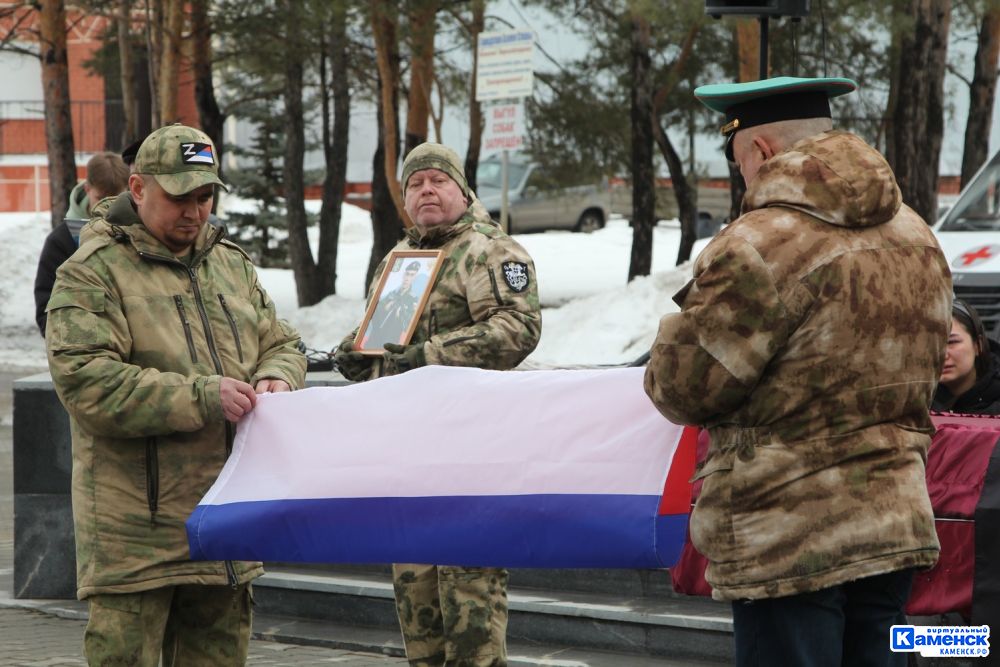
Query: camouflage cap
x,y
180,158
430,155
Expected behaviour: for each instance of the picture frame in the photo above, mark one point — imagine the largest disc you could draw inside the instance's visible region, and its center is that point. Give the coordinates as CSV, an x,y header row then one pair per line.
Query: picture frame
x,y
399,299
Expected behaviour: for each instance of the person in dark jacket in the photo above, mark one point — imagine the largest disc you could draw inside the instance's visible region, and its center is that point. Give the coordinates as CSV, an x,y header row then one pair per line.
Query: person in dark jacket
x,y
970,379
107,176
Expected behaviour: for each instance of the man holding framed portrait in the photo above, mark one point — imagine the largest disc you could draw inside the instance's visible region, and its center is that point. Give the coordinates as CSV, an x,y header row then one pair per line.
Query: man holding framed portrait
x,y
479,308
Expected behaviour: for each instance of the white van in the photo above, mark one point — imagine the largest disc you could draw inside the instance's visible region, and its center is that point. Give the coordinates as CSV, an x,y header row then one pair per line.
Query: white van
x,y
969,234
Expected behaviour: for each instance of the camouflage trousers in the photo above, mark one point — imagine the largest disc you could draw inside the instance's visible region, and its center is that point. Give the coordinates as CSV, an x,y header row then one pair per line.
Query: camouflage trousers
x,y
452,616
193,625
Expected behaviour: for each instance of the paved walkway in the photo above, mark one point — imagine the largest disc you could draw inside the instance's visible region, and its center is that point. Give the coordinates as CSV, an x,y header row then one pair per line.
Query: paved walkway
x,y
34,638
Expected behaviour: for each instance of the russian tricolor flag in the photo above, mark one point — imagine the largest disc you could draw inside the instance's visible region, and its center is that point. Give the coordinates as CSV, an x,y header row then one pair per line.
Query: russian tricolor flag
x,y
197,153
554,468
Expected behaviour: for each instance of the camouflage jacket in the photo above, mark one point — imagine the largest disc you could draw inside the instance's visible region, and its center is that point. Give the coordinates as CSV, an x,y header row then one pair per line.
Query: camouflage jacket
x,y
138,343
809,343
483,308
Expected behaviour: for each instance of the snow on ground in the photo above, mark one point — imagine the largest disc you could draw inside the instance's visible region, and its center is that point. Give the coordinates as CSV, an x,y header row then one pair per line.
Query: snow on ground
x,y
591,315
21,238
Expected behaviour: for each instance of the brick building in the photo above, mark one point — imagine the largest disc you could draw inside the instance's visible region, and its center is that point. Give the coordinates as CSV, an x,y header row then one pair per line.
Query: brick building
x,y
97,120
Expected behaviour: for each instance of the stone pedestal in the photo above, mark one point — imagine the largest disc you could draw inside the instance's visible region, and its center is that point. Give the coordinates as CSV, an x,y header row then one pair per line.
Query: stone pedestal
x,y
44,553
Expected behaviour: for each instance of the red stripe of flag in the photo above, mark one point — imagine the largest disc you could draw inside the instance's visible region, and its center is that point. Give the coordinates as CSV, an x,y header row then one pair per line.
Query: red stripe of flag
x,y
677,489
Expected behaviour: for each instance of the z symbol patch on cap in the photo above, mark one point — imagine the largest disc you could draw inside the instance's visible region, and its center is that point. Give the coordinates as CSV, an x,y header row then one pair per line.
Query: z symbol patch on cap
x,y
516,275
195,153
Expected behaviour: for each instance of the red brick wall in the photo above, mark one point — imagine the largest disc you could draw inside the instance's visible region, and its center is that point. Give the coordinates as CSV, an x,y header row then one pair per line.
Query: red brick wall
x,y
26,188
359,194
22,135
88,119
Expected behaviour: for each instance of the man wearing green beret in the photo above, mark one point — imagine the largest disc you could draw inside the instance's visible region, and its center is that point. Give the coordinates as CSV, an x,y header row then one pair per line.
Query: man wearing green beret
x,y
159,339
809,344
482,311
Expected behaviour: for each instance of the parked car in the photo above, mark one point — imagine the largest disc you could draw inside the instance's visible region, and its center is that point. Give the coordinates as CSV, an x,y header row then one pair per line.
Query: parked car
x,y
535,201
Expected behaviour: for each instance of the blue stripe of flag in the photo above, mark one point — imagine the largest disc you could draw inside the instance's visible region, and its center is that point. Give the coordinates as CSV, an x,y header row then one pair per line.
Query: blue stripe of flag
x,y
596,530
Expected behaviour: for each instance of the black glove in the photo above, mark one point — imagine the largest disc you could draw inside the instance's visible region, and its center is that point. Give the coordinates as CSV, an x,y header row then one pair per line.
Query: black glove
x,y
402,358
352,364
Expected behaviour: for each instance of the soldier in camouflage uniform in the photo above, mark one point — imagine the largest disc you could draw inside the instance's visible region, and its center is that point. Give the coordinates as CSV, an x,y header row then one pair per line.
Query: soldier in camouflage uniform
x,y
482,311
809,344
159,337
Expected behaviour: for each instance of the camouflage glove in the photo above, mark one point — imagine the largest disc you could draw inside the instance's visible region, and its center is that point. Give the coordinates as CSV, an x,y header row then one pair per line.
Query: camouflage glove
x,y
352,364
402,358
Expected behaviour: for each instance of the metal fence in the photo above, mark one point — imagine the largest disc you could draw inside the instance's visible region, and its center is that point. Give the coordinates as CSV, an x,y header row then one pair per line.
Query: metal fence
x,y
97,126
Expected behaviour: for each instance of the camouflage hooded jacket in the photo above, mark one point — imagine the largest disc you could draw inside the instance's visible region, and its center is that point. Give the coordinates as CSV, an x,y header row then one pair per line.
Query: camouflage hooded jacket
x,y
483,308
138,343
809,344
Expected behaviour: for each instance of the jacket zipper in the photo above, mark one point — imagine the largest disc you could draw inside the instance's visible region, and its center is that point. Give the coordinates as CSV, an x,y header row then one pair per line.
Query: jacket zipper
x,y
200,302
232,325
152,478
187,327
198,299
496,291
231,574
230,570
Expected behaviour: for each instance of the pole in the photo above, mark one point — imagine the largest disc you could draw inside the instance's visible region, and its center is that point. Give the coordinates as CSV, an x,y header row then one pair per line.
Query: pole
x,y
763,46
503,192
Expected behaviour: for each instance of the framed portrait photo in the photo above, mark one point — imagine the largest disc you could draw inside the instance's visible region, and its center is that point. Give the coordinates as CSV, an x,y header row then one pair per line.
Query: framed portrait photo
x,y
400,296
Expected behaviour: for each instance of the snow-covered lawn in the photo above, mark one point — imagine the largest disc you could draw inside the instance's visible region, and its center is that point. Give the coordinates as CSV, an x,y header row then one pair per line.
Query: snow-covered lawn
x,y
591,315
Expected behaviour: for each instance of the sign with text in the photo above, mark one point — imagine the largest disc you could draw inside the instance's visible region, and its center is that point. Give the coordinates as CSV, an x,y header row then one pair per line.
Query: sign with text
x,y
505,65
504,130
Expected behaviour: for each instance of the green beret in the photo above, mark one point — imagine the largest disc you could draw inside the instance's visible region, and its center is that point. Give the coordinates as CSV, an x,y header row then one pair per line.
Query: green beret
x,y
770,100
430,155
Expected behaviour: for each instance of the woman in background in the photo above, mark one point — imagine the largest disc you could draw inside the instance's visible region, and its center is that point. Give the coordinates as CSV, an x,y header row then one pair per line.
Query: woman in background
x,y
970,379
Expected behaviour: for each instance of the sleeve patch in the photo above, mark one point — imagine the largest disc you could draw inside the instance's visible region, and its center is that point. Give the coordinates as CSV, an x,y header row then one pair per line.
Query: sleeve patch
x,y
515,274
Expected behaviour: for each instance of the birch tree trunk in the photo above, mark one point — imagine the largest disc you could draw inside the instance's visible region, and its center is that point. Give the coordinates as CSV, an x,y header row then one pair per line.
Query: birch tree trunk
x,y
421,38
643,178
747,38
384,15
210,117
154,40
293,178
982,94
476,27
918,121
130,109
58,114
685,192
170,57
335,143
387,227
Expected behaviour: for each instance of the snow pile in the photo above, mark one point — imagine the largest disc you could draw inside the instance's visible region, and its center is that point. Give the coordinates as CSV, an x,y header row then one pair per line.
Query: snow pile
x,y
21,239
614,326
